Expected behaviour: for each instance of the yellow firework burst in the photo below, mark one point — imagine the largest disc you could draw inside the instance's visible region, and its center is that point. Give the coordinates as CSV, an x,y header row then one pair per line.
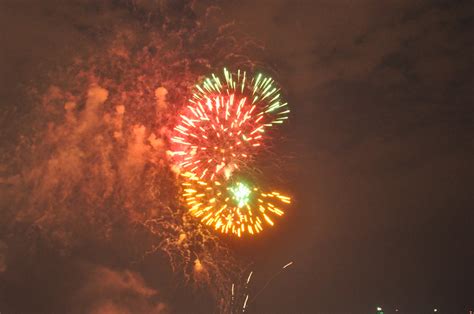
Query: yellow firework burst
x,y
233,206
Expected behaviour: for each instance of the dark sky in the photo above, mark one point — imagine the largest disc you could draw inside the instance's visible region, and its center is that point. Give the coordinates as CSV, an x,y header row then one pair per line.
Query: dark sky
x,y
378,156
382,133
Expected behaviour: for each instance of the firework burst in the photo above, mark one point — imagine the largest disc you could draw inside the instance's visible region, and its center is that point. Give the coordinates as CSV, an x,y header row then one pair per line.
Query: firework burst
x,y
233,207
222,127
261,90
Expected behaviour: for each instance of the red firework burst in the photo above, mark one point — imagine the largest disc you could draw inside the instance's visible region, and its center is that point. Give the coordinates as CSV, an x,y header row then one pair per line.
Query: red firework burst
x,y
217,135
223,125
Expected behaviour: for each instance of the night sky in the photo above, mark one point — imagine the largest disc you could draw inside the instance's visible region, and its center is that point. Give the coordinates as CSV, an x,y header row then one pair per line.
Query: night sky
x,y
377,155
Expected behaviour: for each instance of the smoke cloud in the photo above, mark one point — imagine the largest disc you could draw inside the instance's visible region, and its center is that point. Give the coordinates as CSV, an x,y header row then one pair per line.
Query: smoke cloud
x,y
107,291
85,166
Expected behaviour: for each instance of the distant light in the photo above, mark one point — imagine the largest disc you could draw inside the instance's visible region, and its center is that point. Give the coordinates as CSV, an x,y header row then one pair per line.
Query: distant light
x,y
396,310
435,310
379,308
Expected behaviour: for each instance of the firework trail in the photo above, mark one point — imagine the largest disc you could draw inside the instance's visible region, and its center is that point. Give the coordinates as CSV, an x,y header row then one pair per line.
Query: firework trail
x,y
271,279
241,300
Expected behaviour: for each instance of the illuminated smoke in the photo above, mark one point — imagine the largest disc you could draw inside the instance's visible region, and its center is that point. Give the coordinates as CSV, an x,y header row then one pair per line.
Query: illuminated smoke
x,y
161,104
116,291
91,164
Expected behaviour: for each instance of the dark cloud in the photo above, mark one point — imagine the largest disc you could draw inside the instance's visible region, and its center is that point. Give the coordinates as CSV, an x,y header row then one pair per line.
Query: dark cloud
x,y
381,136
